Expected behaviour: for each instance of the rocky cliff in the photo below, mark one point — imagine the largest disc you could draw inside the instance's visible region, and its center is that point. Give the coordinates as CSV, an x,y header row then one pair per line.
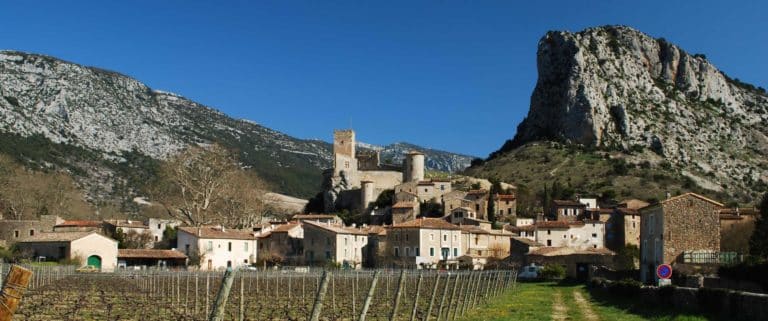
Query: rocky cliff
x,y
110,130
617,89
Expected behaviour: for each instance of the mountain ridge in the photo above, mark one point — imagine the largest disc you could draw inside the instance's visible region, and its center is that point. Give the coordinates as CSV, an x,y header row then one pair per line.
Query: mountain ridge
x,y
103,126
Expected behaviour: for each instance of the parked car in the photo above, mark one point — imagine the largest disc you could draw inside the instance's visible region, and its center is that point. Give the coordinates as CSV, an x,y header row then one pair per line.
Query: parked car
x,y
529,272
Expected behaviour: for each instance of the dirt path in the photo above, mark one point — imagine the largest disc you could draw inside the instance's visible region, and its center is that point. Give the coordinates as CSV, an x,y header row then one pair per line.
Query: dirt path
x,y
584,306
557,168
559,310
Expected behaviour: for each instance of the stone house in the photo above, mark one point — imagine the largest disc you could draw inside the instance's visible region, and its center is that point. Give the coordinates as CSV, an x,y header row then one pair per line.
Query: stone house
x,y
525,231
566,210
479,199
79,226
90,248
405,196
506,207
284,243
157,227
519,247
325,242
374,253
424,243
404,211
322,218
736,227
577,262
459,214
577,235
480,244
216,247
686,223
12,231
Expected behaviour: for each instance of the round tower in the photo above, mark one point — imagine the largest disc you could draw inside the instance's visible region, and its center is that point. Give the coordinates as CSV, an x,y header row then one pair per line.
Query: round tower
x,y
414,167
366,194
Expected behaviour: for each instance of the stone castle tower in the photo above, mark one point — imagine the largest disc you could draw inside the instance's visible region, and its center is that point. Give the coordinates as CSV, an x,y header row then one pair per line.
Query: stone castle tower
x,y
414,167
344,152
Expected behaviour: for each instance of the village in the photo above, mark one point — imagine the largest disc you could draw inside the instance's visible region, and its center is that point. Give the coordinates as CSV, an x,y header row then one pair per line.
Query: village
x,y
429,224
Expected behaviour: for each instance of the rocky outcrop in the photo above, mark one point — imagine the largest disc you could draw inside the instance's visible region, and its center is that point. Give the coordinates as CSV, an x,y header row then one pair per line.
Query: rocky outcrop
x,y
616,88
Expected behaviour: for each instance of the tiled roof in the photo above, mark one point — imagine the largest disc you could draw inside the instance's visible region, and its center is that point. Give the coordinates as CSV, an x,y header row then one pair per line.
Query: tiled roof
x,y
403,205
552,224
689,194
477,191
215,232
633,204
81,223
431,223
558,251
149,254
284,228
57,236
426,183
739,211
375,229
313,216
568,203
126,223
627,211
473,229
336,228
527,241
527,228
503,197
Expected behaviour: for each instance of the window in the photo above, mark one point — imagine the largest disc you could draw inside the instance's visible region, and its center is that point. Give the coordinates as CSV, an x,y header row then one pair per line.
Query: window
x,y
245,261
455,251
229,246
549,242
477,207
594,246
397,252
454,238
229,264
327,255
594,235
210,246
549,232
431,251
406,237
417,252
407,251
426,190
158,227
509,211
346,241
346,164
31,232
431,237
16,234
245,246
156,238
565,236
633,224
445,237
442,187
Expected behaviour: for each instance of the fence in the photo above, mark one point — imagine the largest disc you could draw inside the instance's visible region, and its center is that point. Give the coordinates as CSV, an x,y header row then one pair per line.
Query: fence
x,y
711,257
261,295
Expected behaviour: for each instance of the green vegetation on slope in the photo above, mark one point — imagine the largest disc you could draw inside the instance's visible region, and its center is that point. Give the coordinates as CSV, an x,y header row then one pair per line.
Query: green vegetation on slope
x,y
584,171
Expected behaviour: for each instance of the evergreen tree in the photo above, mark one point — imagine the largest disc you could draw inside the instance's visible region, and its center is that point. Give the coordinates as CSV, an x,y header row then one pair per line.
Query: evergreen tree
x,y
758,243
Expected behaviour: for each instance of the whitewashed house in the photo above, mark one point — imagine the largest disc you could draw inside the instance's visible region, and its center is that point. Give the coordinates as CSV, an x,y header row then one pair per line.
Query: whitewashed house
x,y
216,247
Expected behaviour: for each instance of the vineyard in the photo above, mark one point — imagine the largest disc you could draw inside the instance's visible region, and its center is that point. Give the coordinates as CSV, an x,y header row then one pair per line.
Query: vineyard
x,y
58,293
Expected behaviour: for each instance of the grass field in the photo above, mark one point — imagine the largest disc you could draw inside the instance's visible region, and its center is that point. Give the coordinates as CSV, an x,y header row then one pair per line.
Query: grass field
x,y
550,301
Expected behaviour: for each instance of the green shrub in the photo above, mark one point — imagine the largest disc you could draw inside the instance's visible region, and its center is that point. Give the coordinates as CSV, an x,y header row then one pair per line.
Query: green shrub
x,y
553,272
625,287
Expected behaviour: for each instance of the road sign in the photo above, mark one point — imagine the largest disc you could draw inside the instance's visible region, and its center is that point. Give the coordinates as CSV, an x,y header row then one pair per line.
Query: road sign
x,y
664,271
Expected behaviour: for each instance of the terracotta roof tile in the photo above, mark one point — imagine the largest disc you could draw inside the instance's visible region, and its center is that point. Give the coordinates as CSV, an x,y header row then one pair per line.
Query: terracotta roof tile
x,y
58,237
337,228
510,197
431,223
404,205
552,224
126,223
149,254
284,228
215,232
80,223
568,203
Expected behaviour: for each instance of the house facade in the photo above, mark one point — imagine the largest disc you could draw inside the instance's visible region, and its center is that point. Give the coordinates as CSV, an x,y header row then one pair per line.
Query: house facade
x,y
424,243
686,223
334,243
90,248
216,248
577,235
283,243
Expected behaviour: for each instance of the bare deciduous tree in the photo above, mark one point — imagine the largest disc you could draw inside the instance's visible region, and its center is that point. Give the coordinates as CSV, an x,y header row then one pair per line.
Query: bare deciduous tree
x,y
204,186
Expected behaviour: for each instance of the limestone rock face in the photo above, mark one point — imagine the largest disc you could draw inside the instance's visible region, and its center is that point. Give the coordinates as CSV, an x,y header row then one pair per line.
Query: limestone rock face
x,y
618,88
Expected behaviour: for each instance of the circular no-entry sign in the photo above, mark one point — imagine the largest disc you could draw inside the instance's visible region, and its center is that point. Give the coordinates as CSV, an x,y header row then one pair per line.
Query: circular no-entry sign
x,y
664,271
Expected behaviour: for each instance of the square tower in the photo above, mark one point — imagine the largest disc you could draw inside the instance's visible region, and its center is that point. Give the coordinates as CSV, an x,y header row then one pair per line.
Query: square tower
x,y
344,142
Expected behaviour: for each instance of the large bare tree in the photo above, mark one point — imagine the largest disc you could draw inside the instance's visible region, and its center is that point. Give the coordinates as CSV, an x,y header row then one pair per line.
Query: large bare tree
x,y
205,185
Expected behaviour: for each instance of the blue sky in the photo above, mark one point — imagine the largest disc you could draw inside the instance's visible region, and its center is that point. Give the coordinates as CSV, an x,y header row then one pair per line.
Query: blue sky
x,y
454,75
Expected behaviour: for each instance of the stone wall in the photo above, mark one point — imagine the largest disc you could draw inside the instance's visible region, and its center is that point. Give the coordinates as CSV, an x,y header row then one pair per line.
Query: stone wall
x,y
13,231
690,224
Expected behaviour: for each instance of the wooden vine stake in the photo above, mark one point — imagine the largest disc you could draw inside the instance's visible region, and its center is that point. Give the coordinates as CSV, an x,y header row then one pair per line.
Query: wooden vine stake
x,y
14,285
